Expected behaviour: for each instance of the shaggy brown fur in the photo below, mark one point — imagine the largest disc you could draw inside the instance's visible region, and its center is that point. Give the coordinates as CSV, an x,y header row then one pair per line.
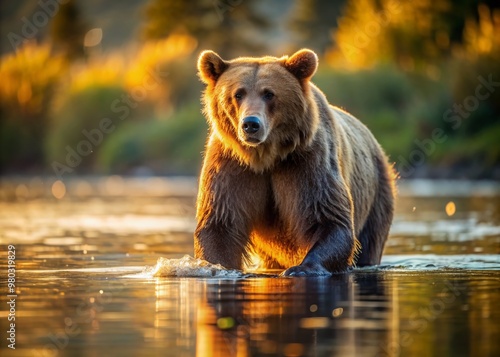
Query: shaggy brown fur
x,y
309,189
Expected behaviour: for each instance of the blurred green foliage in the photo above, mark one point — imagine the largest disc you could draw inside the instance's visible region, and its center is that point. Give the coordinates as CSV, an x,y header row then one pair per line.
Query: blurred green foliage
x,y
383,98
171,145
402,109
80,111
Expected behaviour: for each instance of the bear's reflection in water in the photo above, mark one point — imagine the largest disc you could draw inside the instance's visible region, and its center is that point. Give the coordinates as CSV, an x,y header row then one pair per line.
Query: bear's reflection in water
x,y
348,314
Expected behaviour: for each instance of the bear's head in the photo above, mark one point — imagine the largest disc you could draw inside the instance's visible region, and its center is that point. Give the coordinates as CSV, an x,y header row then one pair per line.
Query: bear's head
x,y
261,109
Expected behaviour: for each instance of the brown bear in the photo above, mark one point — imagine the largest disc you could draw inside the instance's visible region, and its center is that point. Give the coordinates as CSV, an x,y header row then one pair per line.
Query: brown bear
x,y
287,176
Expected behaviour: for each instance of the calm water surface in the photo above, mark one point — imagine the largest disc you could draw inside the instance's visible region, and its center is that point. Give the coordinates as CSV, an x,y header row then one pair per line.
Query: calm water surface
x,y
86,282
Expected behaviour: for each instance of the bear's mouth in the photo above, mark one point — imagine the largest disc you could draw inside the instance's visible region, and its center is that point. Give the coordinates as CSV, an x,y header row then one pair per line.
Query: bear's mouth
x,y
253,142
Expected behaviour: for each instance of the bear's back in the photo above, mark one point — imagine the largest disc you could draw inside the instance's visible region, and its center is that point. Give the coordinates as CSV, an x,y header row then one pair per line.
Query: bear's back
x,y
360,156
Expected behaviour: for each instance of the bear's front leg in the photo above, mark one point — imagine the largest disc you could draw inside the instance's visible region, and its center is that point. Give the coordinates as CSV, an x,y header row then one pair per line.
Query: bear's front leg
x,y
222,233
219,243
333,251
318,215
229,201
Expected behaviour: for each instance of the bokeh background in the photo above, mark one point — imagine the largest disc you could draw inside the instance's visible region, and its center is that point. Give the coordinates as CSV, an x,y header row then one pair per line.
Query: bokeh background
x,y
110,87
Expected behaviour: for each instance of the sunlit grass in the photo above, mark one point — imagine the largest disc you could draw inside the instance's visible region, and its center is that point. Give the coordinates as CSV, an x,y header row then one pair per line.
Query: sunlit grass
x,y
106,71
482,37
156,53
27,74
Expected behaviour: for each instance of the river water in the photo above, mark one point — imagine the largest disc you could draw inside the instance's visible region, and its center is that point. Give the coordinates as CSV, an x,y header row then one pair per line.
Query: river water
x,y
104,267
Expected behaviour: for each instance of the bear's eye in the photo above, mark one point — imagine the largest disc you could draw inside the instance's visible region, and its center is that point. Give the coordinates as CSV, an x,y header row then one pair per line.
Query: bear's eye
x,y
268,95
239,95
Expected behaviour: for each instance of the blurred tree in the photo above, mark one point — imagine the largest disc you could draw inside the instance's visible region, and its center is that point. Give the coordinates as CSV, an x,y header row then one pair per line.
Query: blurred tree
x,y
67,30
448,49
412,34
231,27
312,22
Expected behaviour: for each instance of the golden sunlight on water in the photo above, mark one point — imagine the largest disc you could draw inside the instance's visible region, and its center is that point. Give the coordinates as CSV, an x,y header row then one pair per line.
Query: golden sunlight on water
x,y
100,267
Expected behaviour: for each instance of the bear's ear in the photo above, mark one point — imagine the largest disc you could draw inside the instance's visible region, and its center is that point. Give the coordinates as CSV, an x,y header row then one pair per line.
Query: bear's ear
x,y
302,64
210,66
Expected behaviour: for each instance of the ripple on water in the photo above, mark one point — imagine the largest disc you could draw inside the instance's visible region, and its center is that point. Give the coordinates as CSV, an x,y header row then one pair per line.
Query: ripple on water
x,y
188,266
439,262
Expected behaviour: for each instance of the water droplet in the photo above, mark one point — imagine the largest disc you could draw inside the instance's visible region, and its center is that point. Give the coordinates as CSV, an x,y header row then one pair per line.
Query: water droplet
x,y
58,189
225,323
337,312
450,208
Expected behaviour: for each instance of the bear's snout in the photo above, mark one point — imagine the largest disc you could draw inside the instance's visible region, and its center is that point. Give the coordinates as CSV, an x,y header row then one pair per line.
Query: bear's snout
x,y
251,125
252,130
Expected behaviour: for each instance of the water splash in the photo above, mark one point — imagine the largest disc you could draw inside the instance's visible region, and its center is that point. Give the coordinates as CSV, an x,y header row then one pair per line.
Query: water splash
x,y
188,266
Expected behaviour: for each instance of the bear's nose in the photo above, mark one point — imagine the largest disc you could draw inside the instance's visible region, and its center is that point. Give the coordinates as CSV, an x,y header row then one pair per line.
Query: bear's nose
x,y
251,125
